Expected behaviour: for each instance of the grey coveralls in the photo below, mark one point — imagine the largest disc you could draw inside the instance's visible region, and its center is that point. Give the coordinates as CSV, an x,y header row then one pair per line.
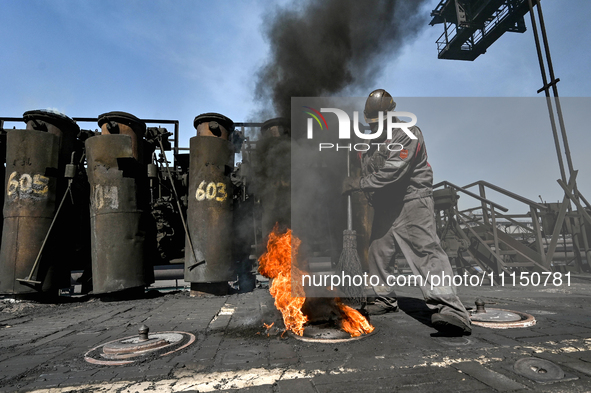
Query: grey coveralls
x,y
400,187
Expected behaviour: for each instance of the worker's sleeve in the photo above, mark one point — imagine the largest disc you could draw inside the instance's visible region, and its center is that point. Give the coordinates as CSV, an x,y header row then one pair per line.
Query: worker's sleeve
x,y
391,166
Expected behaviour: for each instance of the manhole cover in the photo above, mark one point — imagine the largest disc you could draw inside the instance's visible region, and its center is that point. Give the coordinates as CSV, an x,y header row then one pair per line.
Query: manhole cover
x,y
326,333
539,370
502,319
496,315
130,349
497,318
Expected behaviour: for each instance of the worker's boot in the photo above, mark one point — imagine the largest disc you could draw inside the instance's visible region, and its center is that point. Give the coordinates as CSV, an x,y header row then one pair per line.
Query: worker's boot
x,y
450,325
380,305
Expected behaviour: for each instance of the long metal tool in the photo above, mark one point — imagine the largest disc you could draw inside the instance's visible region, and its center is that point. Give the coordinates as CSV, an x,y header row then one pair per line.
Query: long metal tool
x,y
28,279
178,204
349,202
349,263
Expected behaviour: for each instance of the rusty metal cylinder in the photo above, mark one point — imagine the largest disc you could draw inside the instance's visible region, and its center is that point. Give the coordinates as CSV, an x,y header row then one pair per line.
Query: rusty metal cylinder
x,y
29,206
209,213
277,127
272,182
2,176
58,124
125,124
213,124
117,215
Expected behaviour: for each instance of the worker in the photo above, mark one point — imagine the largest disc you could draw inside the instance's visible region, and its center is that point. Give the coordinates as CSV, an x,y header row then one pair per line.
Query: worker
x,y
399,184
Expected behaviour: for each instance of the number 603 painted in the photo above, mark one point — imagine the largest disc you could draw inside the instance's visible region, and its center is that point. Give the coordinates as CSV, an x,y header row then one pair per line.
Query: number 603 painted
x,y
210,191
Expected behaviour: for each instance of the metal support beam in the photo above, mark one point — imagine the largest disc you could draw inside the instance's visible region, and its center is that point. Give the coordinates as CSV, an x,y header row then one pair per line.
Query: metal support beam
x,y
559,221
574,227
538,234
569,194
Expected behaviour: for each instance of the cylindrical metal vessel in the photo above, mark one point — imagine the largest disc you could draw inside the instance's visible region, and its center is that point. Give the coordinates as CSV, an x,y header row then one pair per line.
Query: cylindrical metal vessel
x,y
2,178
64,233
209,214
213,124
116,215
60,125
273,175
29,206
125,124
279,126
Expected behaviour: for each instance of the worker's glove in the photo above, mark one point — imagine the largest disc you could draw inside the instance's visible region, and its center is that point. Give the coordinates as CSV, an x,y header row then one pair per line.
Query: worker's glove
x,y
351,184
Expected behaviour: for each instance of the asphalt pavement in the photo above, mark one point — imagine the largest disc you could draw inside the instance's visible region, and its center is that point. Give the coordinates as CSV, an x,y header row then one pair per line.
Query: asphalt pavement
x,y
43,346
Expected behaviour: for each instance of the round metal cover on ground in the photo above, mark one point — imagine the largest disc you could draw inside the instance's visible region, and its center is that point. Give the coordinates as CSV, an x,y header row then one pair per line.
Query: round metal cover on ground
x,y
497,318
131,349
327,334
538,370
496,315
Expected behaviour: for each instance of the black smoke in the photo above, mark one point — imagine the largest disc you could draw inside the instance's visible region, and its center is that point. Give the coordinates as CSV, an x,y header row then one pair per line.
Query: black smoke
x,y
323,47
320,48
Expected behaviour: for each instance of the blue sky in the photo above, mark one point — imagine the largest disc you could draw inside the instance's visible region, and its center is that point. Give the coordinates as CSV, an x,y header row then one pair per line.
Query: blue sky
x,y
175,60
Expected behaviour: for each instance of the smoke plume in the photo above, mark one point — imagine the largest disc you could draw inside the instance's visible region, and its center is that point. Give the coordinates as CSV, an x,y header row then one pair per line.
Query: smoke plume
x,y
323,47
320,48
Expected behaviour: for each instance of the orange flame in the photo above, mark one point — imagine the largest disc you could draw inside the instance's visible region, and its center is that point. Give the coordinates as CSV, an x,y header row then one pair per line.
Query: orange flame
x,y
353,322
267,326
276,264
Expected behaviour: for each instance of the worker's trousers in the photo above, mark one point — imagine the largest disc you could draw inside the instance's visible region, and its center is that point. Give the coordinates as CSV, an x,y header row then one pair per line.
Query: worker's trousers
x,y
410,225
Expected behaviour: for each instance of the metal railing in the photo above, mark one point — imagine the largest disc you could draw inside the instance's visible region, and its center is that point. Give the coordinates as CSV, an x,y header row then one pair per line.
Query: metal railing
x,y
492,247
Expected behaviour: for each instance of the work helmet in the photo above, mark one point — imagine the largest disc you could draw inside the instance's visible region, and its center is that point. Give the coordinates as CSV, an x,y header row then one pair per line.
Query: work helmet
x,y
378,100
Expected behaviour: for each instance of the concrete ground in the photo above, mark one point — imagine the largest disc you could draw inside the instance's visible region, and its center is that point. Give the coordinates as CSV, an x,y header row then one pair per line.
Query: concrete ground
x,y
42,346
